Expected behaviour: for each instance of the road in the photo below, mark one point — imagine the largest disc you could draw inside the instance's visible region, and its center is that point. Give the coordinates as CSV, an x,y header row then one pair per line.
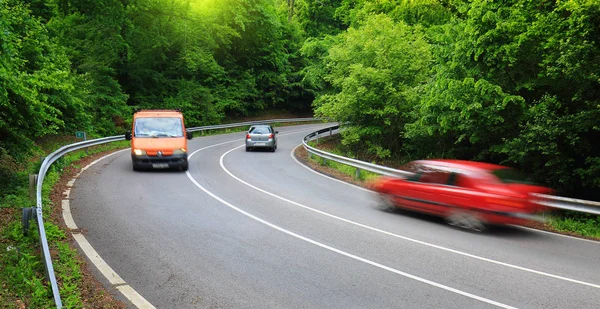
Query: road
x,y
260,230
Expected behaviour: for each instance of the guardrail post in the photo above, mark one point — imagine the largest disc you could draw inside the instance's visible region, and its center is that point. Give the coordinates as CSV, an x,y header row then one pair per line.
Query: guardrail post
x,y
357,175
330,132
32,184
324,161
29,213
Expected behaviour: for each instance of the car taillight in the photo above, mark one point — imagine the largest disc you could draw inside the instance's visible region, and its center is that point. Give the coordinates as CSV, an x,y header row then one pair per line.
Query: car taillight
x,y
247,136
271,135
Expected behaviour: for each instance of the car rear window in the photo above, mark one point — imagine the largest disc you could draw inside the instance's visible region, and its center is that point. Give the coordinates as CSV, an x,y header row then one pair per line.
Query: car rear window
x,y
260,130
509,175
435,177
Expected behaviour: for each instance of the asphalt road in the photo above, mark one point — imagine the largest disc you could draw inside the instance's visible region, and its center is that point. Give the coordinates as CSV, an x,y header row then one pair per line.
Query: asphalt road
x,y
259,230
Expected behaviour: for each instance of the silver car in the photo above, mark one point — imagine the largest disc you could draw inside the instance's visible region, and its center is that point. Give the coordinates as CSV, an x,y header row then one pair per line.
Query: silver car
x,y
261,136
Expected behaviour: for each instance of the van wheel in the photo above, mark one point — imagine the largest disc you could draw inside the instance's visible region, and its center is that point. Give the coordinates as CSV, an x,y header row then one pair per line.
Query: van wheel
x,y
135,167
184,167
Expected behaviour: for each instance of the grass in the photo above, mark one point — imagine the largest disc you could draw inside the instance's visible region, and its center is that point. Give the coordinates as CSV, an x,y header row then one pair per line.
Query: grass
x,y
587,225
364,176
22,271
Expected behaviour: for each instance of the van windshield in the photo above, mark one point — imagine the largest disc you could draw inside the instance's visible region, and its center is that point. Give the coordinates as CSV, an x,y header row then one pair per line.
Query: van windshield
x,y
158,127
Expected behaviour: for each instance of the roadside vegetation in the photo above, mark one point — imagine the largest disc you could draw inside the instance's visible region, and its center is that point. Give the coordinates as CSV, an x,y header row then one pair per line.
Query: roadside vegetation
x,y
22,270
512,82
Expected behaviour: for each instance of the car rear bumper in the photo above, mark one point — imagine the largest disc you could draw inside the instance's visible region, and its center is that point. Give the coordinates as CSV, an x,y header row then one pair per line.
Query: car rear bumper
x,y
260,144
147,162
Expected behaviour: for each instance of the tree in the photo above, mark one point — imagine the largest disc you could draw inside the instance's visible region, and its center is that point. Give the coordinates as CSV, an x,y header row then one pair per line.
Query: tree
x,y
375,72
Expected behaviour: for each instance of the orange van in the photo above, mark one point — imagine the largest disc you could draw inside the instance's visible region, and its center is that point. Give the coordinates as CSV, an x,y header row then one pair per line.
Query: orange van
x,y
158,140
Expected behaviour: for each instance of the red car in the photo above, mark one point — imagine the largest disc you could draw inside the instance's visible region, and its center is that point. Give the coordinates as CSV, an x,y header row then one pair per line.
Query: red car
x,y
468,194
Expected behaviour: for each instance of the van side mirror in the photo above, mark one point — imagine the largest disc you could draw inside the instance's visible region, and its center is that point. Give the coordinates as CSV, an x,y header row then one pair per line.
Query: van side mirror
x,y
128,135
276,132
188,134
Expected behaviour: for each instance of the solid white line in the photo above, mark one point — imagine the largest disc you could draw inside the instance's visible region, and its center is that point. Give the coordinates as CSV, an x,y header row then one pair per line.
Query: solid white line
x,y
138,300
404,237
324,246
135,297
95,258
67,217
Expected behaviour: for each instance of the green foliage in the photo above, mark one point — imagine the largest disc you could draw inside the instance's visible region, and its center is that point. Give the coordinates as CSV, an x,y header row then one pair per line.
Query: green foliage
x,y
465,117
375,72
21,268
420,12
318,17
364,176
517,83
579,223
38,93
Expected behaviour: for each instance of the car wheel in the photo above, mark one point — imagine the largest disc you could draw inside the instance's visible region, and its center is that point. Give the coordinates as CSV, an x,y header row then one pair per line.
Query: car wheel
x,y
387,202
273,149
466,220
135,167
247,148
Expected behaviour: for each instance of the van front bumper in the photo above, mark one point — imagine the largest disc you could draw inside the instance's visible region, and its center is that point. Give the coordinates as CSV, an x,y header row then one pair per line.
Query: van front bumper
x,y
147,162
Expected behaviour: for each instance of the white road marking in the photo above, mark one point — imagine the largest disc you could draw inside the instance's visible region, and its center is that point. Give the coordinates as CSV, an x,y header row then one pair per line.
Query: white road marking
x,y
66,212
324,246
364,189
403,237
128,292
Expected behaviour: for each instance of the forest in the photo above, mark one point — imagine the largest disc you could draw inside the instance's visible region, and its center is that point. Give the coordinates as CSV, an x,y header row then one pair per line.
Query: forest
x,y
515,82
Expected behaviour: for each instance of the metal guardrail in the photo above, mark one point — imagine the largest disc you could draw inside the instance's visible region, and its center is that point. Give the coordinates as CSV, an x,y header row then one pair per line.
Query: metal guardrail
x,y
566,203
248,123
360,165
38,211
558,202
30,213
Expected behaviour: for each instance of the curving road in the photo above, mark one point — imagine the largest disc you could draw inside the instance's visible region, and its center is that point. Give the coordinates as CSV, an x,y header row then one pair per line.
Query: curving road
x,y
259,230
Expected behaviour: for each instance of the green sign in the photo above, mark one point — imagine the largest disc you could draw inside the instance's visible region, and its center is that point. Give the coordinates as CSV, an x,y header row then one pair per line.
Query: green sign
x,y
80,134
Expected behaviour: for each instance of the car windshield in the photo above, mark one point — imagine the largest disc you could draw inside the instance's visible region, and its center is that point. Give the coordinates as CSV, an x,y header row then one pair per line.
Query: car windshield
x,y
158,127
260,130
509,175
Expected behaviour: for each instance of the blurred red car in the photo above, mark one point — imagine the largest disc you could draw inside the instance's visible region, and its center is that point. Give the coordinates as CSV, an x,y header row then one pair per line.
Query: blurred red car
x,y
467,194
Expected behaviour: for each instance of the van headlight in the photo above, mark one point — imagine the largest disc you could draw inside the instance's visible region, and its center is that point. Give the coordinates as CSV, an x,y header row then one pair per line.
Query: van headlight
x,y
179,151
139,152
